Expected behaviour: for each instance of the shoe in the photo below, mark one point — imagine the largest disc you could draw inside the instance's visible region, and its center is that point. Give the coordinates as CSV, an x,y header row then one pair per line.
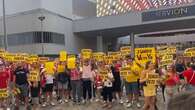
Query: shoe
x,y
66,100
91,100
128,105
138,105
83,102
8,109
121,101
105,105
109,106
97,100
60,101
44,105
127,101
52,103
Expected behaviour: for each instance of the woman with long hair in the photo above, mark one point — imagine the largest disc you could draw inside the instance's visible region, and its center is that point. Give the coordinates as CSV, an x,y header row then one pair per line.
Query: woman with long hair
x,y
149,90
171,80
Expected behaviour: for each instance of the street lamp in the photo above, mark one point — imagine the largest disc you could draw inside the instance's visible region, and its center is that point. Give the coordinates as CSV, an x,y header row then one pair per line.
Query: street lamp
x,y
42,18
4,28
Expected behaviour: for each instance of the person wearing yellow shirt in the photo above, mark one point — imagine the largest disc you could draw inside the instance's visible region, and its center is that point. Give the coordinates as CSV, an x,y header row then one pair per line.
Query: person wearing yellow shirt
x,y
149,89
132,88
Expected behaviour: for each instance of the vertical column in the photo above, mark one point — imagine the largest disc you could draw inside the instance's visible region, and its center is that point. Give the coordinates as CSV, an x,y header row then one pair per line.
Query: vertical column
x,y
99,43
132,42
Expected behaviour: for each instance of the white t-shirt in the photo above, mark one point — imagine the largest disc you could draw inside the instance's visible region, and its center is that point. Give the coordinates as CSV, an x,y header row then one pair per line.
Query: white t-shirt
x,y
49,79
108,82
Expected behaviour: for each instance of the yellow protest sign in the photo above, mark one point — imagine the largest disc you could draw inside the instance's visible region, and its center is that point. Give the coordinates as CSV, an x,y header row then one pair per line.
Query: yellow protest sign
x,y
171,50
2,50
153,79
49,66
142,55
113,56
124,71
86,53
166,50
9,57
32,58
43,59
98,56
103,73
189,52
34,76
19,58
71,62
3,93
125,50
2,54
63,55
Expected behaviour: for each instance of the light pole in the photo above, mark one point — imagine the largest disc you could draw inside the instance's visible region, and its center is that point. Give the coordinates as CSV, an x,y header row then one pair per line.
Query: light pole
x,y
42,18
4,28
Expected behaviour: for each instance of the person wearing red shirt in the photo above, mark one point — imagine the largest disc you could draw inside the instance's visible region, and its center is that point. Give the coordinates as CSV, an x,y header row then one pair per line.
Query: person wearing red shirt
x,y
4,80
189,76
171,82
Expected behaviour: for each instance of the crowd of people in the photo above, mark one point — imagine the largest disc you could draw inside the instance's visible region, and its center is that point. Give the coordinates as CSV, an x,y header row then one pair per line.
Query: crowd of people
x,y
92,81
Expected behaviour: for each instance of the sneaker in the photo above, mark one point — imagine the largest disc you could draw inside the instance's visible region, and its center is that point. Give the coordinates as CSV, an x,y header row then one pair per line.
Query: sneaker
x,y
128,105
97,100
121,101
105,105
83,102
44,105
60,101
109,106
127,101
66,100
52,103
91,100
138,105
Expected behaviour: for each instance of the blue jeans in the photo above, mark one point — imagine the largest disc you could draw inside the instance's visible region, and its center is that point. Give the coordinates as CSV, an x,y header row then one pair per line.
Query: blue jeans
x,y
76,89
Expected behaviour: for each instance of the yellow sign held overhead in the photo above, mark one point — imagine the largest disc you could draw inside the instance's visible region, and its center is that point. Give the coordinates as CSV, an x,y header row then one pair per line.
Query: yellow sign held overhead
x,y
142,55
63,55
71,62
189,52
86,53
98,56
49,67
125,50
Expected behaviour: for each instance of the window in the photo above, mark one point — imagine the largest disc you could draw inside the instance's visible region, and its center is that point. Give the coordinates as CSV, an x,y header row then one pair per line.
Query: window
x,y
35,37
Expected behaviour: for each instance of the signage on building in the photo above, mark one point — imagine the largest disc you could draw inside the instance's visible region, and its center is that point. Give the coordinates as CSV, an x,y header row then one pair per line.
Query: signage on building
x,y
168,13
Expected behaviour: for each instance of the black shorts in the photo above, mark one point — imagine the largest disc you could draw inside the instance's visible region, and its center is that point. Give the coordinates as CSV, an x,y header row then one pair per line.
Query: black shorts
x,y
49,88
117,86
35,91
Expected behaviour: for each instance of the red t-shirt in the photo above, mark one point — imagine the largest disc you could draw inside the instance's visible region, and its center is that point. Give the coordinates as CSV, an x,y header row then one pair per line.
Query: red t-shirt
x,y
117,67
98,81
189,74
172,80
4,76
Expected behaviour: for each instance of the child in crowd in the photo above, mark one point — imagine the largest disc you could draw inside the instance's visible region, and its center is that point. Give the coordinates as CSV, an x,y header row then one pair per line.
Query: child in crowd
x,y
107,90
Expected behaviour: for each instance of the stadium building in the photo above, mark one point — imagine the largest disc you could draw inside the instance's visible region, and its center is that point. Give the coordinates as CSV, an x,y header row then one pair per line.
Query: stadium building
x,y
48,26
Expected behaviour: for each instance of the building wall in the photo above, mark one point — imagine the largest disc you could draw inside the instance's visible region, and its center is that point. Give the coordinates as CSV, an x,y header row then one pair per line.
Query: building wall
x,y
62,7
16,6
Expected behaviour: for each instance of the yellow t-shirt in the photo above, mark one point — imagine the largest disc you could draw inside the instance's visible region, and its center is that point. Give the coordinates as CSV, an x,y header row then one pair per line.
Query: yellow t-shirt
x,y
61,68
135,73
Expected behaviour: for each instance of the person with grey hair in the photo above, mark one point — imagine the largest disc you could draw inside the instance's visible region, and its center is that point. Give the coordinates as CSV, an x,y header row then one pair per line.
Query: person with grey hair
x,y
182,101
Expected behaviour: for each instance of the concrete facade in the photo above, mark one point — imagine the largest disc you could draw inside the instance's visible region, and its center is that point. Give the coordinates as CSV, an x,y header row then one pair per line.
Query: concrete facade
x,y
81,28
